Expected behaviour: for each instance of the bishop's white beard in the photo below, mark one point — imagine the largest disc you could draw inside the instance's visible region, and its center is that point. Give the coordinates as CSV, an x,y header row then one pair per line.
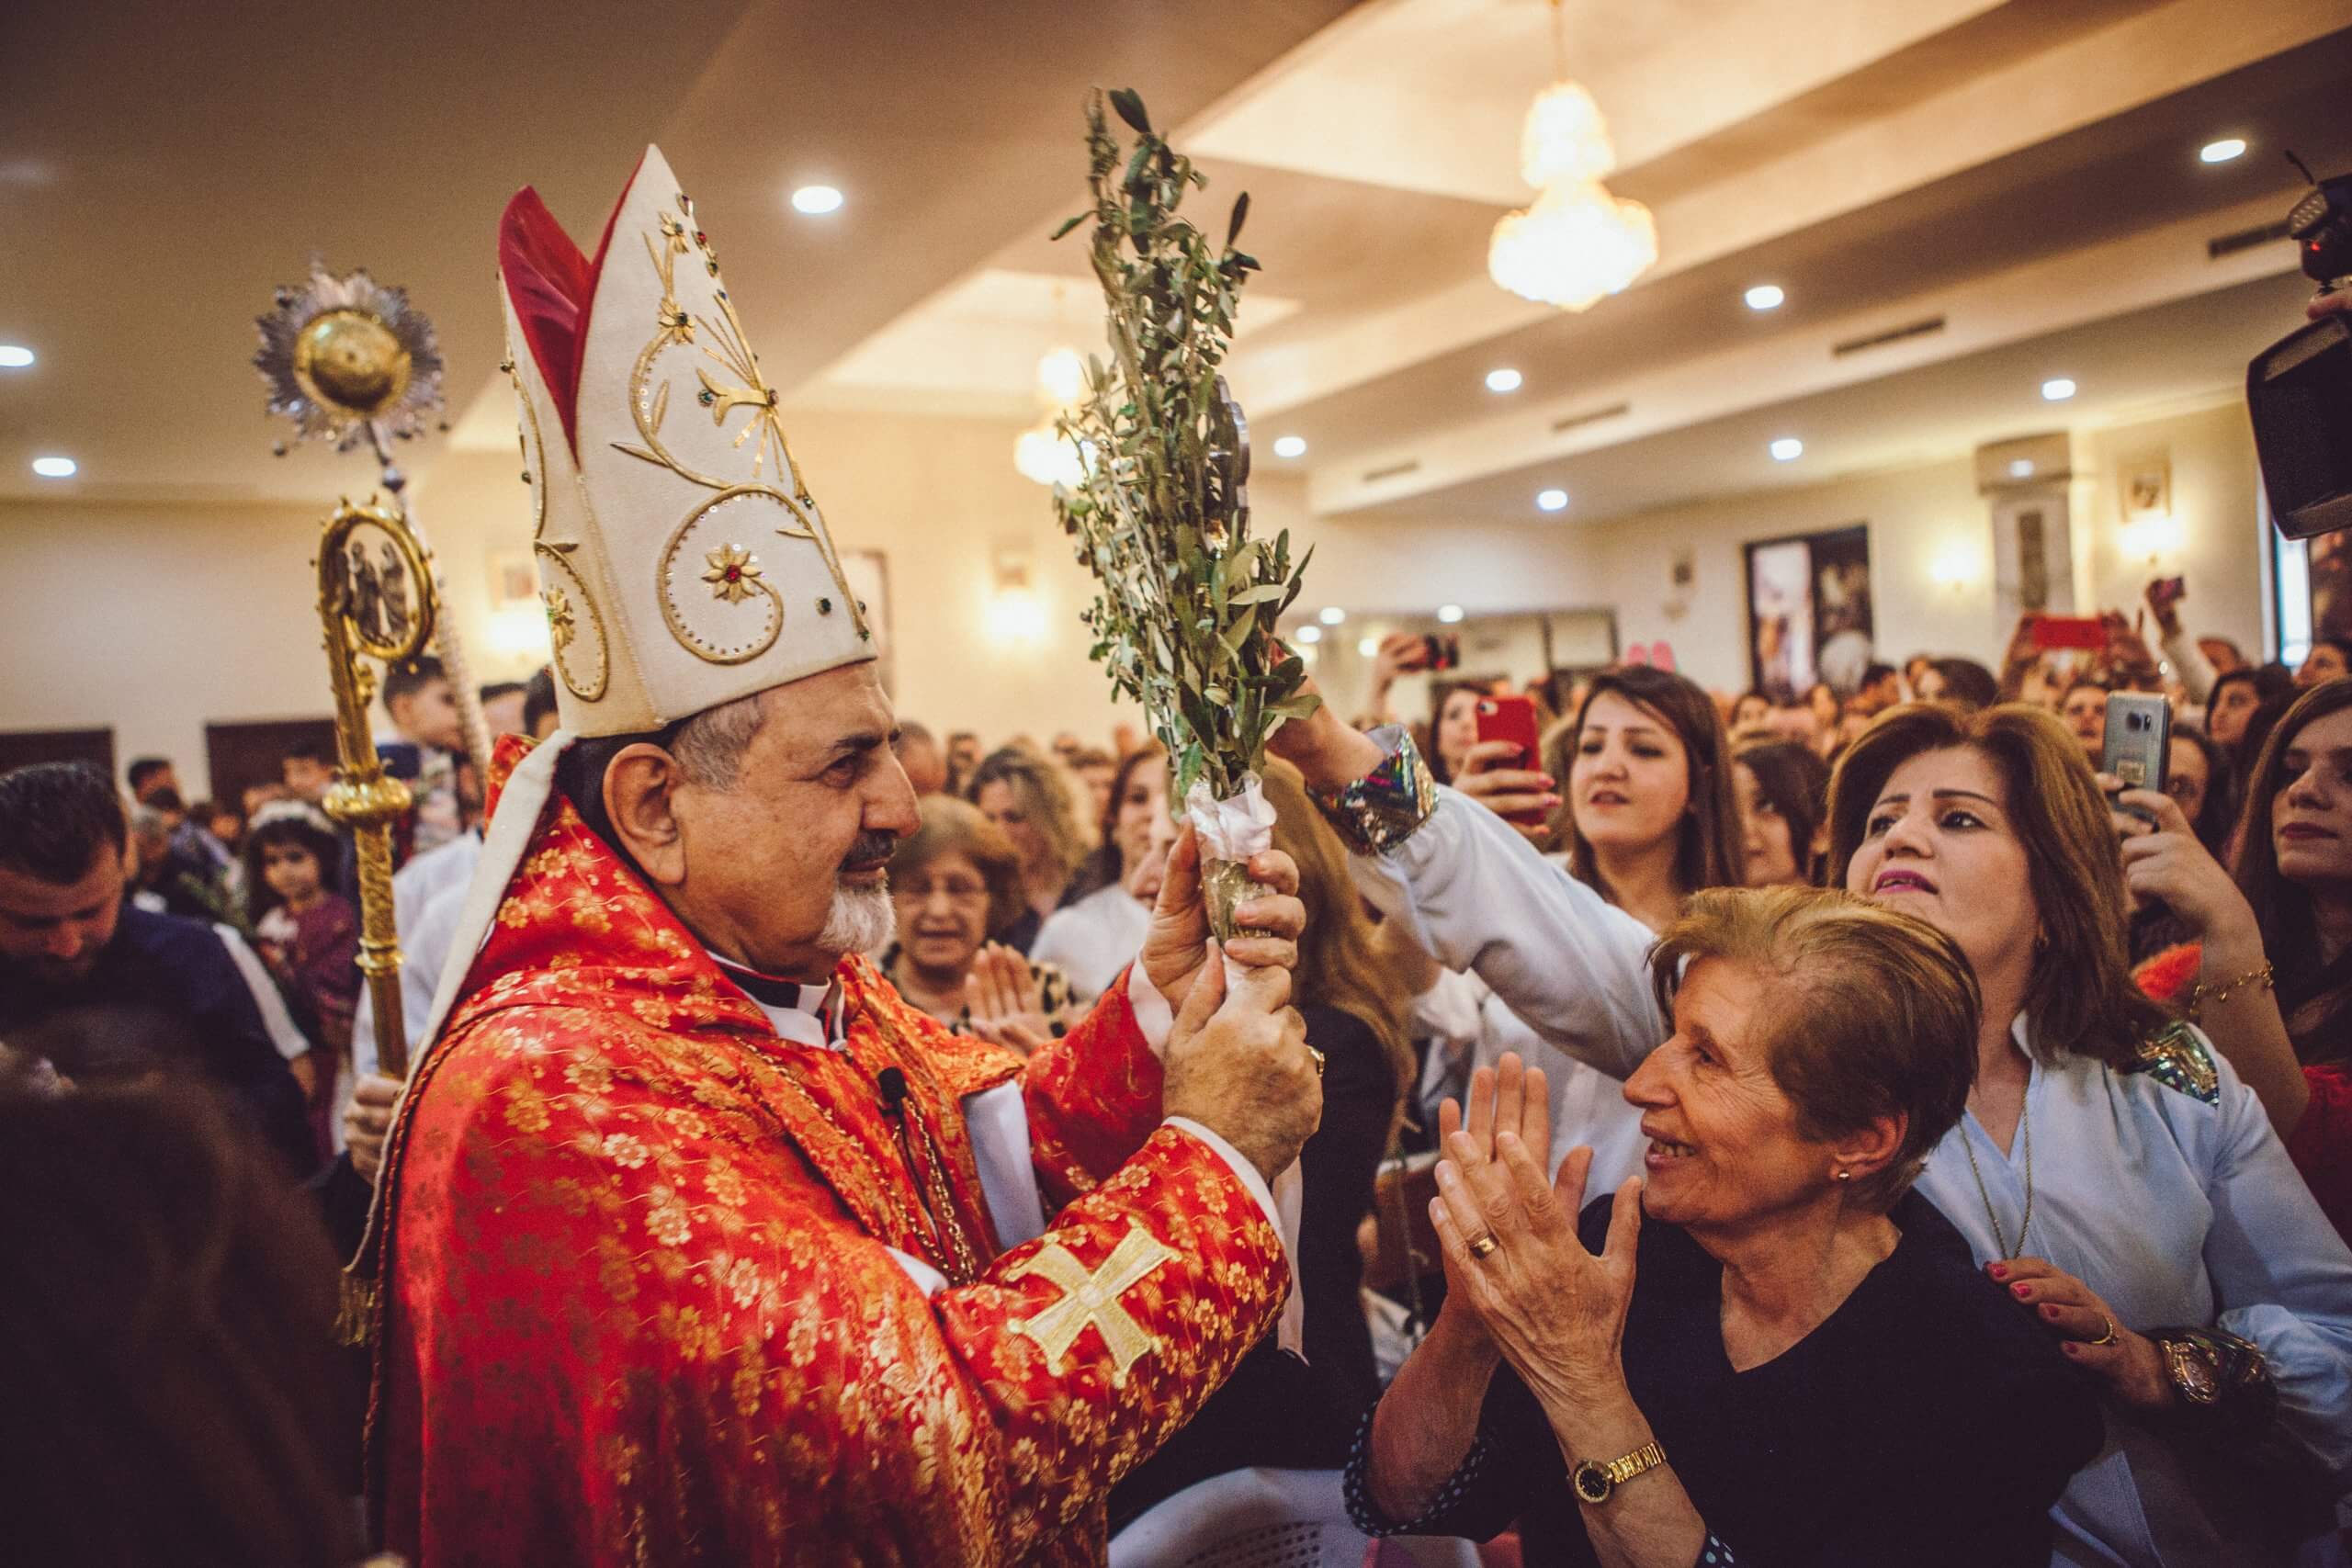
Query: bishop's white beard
x,y
861,920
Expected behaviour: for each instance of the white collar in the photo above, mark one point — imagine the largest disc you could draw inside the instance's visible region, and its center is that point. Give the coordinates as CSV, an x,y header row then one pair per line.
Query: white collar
x,y
805,1015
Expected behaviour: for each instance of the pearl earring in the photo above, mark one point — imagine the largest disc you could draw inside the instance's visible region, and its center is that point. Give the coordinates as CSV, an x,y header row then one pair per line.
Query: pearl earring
x,y
1845,1176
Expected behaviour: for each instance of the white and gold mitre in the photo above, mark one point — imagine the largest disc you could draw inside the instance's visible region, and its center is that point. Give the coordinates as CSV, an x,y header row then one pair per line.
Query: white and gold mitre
x,y
682,563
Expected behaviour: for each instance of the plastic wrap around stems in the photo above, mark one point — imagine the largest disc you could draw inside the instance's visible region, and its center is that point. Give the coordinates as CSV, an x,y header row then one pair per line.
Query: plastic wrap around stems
x,y
1230,830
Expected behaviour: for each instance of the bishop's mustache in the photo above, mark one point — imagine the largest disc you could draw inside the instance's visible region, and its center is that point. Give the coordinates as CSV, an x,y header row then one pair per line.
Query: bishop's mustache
x,y
869,850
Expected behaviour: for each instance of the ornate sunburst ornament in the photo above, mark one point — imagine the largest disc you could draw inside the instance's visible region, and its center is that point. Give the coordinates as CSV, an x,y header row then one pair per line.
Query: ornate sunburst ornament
x,y
346,358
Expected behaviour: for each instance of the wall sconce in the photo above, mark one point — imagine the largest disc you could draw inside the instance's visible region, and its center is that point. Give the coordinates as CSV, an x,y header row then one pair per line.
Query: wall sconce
x,y
1956,567
518,634
2152,539
1015,613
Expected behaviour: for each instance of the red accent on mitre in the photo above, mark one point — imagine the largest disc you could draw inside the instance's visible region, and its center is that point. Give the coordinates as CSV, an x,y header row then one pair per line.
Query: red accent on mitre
x,y
554,287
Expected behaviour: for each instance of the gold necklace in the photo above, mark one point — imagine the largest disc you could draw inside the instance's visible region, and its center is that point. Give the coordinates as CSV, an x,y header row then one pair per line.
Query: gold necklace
x,y
2024,1132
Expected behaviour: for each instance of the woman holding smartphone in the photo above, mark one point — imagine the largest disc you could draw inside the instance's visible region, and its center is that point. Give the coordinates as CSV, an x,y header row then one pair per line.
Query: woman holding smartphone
x,y
2113,1174
1648,819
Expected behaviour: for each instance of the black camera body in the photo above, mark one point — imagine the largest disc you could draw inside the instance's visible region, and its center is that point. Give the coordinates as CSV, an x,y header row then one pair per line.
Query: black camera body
x,y
2298,390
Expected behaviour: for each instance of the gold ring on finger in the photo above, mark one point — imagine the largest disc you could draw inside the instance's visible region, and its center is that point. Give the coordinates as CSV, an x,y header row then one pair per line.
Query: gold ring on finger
x,y
2107,1337
1481,1246
1318,1060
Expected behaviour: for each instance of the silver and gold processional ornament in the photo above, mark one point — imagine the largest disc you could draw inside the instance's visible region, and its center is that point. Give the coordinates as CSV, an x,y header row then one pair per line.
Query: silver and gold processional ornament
x,y
351,361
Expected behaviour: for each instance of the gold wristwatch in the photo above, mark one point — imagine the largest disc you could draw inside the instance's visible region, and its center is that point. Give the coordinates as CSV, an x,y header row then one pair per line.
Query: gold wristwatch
x,y
2190,1368
1594,1481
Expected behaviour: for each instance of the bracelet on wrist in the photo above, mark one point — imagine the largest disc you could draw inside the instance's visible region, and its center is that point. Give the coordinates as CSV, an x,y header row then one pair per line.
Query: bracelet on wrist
x,y
1388,805
2262,976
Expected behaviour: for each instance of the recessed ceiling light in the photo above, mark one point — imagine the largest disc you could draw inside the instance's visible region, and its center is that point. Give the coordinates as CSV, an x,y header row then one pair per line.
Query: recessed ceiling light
x,y
2058,388
1503,380
1449,613
55,468
1551,500
2221,152
1787,449
1306,656
816,201
14,357
2021,468
1367,646
1331,614
1307,634
1765,297
1290,447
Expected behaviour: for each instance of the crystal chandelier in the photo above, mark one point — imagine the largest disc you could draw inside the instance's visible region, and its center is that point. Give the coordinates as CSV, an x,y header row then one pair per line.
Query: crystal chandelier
x,y
1039,453
1577,244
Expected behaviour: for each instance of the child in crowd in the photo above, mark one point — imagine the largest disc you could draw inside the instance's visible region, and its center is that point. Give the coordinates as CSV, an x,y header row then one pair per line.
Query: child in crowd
x,y
306,932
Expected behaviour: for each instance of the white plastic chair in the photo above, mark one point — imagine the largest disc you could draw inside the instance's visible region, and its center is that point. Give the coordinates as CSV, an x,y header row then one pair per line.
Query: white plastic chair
x,y
1269,1518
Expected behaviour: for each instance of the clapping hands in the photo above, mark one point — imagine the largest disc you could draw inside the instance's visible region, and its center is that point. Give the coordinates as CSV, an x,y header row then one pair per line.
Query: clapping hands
x,y
1513,1255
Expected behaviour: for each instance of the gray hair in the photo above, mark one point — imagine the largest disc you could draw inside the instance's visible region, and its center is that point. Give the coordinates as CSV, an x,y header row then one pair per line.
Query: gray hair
x,y
710,747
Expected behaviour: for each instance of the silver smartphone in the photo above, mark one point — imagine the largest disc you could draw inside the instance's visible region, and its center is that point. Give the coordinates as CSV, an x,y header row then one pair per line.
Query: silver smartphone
x,y
2138,748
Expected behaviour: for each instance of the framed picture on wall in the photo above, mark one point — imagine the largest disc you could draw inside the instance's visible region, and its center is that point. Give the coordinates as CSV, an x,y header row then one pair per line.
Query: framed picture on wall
x,y
513,580
1809,611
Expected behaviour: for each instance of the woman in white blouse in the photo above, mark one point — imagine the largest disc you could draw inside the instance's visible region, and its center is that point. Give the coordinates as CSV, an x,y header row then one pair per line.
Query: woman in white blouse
x,y
1092,939
2112,1172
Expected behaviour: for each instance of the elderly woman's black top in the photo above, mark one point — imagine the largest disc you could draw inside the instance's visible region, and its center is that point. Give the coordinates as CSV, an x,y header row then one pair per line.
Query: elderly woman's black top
x,y
1929,1420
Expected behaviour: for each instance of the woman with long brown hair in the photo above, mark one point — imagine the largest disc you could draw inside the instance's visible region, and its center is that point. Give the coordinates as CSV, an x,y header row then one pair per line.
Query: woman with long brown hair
x,y
2267,969
2112,1174
1095,936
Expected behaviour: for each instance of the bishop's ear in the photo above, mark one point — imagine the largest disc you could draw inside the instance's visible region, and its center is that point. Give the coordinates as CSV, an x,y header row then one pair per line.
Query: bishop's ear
x,y
640,786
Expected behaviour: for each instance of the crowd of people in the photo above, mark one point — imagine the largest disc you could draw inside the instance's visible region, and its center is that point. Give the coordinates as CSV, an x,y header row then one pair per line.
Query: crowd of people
x,y
1831,1128
1730,1169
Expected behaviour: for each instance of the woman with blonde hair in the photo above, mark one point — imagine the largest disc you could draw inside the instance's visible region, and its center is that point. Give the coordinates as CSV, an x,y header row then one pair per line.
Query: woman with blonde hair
x,y
1034,802
2112,1173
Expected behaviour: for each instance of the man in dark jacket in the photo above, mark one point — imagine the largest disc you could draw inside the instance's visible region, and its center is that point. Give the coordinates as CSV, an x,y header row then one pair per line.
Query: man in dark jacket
x,y
101,988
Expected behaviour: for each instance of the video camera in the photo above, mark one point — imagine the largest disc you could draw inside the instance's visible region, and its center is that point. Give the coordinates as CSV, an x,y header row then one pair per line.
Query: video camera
x,y
2298,390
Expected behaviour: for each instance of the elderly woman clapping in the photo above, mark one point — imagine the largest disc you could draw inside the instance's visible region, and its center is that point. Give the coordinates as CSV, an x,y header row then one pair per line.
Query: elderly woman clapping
x,y
1769,1349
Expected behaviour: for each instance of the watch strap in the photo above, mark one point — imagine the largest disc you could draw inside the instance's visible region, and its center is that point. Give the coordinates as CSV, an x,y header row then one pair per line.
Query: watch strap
x,y
2244,1399
1382,809
1595,1480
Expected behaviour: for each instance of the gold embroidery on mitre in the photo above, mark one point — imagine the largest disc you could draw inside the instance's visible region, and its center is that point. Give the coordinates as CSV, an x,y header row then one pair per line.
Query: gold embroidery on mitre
x,y
772,623
741,387
732,573
1093,1299
568,591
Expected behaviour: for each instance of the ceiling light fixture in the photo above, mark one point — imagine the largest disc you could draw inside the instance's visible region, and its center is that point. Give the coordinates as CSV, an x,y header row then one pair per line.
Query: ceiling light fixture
x,y
1367,646
1290,447
1309,633
15,356
2021,468
1577,243
1765,297
1449,613
1061,376
1503,380
1551,500
816,201
2221,152
1331,614
56,468
1787,449
2057,389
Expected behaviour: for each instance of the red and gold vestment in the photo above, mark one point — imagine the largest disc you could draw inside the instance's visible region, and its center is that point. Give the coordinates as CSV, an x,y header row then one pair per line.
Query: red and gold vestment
x,y
639,1301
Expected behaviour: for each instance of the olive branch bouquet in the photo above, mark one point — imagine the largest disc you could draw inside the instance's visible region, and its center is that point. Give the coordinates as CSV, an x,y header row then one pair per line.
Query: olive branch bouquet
x,y
1187,603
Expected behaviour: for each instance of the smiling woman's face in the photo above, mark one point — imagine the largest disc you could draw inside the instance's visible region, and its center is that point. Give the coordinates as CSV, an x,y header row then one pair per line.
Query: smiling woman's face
x,y
1940,844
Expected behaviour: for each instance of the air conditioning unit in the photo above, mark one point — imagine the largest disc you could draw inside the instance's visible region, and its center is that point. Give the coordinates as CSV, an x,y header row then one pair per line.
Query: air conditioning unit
x,y
2025,461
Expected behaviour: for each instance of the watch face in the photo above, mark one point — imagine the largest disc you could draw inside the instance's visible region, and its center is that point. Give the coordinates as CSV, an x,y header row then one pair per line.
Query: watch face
x,y
2192,1373
1591,1481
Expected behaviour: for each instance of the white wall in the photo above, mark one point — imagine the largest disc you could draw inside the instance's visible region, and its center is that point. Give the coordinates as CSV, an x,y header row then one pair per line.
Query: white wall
x,y
1923,522
157,619
2215,536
